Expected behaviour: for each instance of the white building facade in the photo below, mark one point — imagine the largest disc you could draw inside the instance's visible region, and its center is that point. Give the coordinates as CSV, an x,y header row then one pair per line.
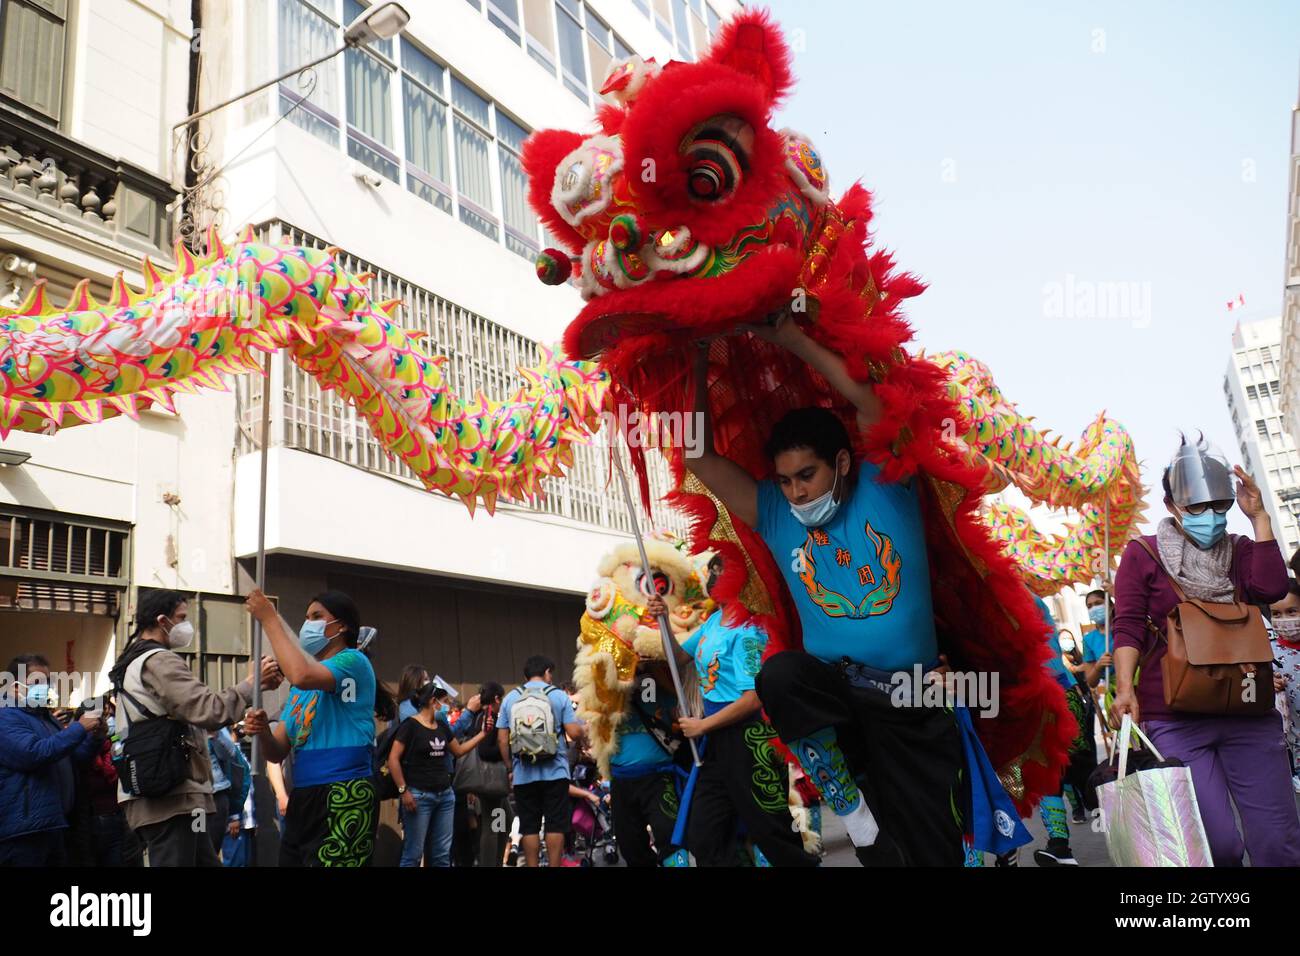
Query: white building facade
x,y
406,156
1254,391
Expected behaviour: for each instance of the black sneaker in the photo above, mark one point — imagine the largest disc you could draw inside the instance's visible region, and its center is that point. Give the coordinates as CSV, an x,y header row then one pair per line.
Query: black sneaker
x,y
1057,854
1079,816
1010,858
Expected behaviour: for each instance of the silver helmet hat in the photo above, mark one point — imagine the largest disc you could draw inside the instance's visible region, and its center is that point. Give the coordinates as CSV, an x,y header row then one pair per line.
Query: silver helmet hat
x,y
1198,474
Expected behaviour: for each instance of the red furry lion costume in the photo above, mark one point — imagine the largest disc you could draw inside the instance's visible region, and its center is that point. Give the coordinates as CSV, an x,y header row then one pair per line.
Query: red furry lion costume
x,y
689,215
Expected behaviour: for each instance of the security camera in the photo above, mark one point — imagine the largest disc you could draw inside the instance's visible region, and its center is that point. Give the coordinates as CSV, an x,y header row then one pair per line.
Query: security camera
x,y
367,177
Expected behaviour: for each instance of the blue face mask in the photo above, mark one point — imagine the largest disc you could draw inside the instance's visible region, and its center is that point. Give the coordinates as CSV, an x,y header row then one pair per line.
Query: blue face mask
x,y
311,636
444,710
39,695
1097,615
819,511
1205,529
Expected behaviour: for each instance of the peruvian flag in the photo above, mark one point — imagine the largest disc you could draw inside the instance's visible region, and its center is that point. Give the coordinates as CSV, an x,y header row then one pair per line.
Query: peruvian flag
x,y
1237,303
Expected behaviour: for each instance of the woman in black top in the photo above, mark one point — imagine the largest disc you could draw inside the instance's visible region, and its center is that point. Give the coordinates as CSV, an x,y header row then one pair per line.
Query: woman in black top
x,y
419,767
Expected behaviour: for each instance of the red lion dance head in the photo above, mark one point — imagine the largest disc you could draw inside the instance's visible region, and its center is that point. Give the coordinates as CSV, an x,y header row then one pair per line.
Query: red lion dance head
x,y
689,215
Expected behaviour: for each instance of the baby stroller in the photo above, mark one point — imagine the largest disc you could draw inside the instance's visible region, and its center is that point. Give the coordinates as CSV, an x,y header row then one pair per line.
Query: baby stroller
x,y
592,825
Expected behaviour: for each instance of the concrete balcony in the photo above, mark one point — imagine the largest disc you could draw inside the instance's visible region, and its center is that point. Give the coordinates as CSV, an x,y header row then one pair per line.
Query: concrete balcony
x,y
48,177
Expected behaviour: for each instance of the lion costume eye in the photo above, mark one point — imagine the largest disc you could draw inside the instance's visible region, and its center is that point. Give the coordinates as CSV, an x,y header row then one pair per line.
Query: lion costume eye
x,y
717,154
661,584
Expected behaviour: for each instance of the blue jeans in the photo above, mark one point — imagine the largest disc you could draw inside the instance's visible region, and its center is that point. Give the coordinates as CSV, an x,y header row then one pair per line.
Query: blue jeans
x,y
427,831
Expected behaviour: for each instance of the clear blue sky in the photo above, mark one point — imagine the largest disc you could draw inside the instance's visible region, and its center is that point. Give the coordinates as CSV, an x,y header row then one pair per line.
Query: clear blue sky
x,y
1011,144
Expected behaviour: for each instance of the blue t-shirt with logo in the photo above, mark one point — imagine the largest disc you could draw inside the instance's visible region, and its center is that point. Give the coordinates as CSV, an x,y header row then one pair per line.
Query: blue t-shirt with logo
x,y
861,582
563,712
638,751
333,732
727,659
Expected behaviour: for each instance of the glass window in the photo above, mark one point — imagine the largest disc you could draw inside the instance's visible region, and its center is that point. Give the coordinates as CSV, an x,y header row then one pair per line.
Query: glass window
x,y
715,21
538,22
572,64
643,6
504,15
470,103
423,67
473,160
1261,426
370,105
32,54
681,22
305,34
573,6
1251,393
1276,386
428,170
521,224
621,50
700,32
664,19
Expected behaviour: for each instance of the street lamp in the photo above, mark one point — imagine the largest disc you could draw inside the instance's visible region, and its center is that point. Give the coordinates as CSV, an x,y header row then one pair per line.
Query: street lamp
x,y
381,22
377,23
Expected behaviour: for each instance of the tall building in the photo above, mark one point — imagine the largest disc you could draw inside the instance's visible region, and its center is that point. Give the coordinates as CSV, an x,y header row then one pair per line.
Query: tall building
x,y
404,154
1291,288
1253,389
88,93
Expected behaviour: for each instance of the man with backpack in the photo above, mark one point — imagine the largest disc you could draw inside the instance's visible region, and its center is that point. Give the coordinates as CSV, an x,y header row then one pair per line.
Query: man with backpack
x,y
164,773
534,720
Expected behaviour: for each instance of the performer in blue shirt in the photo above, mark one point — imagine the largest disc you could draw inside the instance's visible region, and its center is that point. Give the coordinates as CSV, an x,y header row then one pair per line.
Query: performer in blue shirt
x,y
743,780
853,554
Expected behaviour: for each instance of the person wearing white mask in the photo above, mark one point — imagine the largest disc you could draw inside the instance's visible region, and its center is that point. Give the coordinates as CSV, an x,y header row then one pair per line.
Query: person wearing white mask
x,y
328,725
1286,675
152,682
853,552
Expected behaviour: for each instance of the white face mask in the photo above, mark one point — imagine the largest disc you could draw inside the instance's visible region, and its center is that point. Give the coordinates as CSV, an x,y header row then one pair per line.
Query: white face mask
x,y
180,636
820,510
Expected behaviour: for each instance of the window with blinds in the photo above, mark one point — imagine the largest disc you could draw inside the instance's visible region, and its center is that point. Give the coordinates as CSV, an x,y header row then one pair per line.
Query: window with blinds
x,y
33,42
308,30
370,101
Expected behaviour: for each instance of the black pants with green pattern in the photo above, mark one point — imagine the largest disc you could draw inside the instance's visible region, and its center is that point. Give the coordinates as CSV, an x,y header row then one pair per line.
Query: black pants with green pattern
x,y
743,779
638,803
331,824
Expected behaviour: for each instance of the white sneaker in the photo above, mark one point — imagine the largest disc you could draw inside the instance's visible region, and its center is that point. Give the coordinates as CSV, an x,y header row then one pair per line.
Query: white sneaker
x,y
1295,783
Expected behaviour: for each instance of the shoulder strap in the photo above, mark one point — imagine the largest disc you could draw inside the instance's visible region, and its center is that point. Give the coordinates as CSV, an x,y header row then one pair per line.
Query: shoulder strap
x,y
138,664
1178,589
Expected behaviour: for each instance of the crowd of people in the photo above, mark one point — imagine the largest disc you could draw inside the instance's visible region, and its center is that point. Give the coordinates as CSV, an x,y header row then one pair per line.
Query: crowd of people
x,y
508,774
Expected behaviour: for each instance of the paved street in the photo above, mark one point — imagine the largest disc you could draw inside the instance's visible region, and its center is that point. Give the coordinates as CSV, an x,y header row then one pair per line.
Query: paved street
x,y
1089,847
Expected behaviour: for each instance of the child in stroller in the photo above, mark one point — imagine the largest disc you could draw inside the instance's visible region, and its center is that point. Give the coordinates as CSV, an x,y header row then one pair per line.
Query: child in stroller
x,y
593,824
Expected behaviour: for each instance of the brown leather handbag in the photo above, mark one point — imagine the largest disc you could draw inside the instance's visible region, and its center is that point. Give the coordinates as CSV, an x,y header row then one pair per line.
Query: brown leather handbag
x,y
1218,658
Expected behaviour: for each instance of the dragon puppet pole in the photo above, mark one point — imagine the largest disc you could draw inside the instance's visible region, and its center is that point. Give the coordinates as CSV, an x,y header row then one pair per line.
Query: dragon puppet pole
x,y
1105,533
261,553
665,632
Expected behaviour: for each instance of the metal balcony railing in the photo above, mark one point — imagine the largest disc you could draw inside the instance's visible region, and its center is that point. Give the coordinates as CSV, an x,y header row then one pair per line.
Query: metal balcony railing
x,y
482,355
50,173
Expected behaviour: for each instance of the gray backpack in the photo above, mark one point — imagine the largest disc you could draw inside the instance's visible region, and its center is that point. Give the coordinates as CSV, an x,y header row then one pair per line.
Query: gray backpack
x,y
533,737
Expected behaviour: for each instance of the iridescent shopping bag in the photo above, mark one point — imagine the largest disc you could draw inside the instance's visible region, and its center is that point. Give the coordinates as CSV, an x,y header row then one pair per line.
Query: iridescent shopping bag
x,y
1151,817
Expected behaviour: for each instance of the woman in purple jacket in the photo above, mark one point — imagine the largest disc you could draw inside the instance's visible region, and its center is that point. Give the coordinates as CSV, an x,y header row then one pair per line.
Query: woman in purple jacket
x,y
1239,760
